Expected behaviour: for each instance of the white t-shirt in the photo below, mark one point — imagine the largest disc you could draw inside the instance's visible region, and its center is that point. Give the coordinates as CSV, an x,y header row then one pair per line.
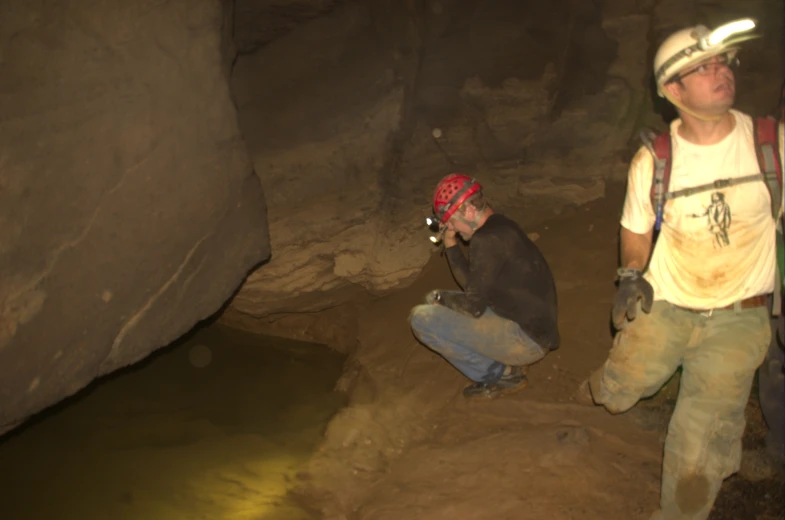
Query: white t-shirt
x,y
715,247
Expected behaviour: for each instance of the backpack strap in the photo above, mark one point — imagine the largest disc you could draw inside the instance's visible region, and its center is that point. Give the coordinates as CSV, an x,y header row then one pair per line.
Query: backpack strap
x,y
770,162
771,166
719,184
659,145
767,149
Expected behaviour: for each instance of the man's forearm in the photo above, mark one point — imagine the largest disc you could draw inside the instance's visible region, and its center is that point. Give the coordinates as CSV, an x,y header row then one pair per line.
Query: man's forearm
x,y
635,249
459,266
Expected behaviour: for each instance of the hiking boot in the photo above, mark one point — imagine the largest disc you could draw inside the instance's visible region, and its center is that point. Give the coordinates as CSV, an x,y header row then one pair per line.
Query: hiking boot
x,y
512,382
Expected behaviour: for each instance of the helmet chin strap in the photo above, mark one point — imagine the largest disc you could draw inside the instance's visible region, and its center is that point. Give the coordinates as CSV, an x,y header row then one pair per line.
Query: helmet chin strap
x,y
687,110
473,224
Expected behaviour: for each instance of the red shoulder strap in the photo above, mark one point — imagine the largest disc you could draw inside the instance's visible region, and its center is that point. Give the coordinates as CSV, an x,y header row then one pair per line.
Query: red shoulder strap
x,y
769,160
662,173
766,148
662,145
766,134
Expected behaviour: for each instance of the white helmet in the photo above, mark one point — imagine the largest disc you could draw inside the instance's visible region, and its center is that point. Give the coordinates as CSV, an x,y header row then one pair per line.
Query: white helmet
x,y
687,47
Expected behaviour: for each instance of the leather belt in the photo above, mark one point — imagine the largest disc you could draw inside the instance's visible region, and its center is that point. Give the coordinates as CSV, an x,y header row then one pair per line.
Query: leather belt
x,y
749,303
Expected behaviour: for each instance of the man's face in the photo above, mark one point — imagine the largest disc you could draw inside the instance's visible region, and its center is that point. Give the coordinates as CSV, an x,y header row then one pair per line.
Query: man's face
x,y
707,88
458,222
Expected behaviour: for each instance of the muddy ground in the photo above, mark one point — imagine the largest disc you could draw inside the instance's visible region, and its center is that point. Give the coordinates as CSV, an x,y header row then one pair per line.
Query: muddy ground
x,y
410,446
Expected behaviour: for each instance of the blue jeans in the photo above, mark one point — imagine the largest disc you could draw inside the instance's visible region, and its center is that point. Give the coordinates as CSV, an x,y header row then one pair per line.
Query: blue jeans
x,y
480,348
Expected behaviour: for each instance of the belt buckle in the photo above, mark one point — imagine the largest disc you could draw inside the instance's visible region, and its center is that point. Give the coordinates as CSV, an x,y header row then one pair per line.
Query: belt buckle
x,y
707,314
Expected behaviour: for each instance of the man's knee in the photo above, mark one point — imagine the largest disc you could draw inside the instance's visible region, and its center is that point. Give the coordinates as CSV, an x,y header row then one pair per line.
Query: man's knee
x,y
610,394
644,356
429,320
703,433
419,312
420,316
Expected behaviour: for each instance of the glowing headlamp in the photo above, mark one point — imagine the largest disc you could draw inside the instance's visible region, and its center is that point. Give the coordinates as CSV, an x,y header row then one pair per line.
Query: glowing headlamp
x,y
723,32
433,225
724,36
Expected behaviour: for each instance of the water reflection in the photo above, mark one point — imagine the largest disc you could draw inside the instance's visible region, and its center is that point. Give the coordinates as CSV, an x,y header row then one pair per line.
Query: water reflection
x,y
215,427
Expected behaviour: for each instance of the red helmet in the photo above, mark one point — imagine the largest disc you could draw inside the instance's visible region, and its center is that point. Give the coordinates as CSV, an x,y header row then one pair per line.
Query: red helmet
x,y
451,192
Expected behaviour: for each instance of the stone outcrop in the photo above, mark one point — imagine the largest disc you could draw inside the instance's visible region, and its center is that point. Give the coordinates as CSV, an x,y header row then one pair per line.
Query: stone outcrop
x,y
322,129
129,209
258,22
353,115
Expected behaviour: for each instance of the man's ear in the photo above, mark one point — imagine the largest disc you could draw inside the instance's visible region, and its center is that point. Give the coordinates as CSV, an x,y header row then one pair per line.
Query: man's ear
x,y
675,90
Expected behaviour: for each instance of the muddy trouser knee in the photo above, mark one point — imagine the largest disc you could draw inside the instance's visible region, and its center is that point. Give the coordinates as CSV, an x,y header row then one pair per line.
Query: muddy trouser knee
x,y
645,354
771,385
479,348
719,355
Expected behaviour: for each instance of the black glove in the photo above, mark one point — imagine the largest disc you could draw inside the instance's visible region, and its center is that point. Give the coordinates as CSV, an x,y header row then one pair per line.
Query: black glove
x,y
632,287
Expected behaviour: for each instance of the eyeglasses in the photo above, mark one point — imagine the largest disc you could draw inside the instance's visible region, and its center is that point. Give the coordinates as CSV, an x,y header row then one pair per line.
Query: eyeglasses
x,y
708,67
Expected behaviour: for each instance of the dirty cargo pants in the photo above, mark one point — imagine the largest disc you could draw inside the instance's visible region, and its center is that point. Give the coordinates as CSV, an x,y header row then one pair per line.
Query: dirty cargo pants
x,y
479,348
719,354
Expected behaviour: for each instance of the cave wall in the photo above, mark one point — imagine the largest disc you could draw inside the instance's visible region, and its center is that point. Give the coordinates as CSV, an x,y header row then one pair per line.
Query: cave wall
x,y
542,101
258,22
129,208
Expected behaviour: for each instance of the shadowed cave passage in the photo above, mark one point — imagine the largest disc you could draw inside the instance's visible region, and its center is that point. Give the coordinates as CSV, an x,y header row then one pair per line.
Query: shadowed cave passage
x,y
214,426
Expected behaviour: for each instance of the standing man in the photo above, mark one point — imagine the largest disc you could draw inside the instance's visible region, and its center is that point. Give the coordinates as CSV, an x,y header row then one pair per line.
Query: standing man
x,y
705,287
505,317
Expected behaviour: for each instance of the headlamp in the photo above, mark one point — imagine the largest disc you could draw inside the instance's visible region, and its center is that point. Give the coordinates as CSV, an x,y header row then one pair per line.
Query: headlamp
x,y
434,226
723,32
705,43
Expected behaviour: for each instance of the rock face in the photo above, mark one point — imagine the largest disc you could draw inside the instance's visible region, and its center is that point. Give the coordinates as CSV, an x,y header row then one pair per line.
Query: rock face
x,y
352,116
258,22
321,129
129,209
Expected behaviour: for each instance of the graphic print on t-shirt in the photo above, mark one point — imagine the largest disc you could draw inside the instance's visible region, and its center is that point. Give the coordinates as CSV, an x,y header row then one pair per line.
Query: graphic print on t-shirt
x,y
718,217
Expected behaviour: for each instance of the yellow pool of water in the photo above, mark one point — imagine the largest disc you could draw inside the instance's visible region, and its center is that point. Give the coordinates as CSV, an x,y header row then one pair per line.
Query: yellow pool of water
x,y
214,427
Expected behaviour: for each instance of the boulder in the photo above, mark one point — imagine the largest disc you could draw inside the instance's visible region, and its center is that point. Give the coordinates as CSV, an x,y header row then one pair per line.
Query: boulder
x,y
353,116
321,109
129,207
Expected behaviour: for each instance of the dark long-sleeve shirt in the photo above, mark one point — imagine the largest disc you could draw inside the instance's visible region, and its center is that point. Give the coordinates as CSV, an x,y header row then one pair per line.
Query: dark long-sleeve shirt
x,y
507,273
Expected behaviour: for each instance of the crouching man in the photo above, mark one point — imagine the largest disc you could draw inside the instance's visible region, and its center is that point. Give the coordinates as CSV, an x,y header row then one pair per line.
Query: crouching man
x,y
504,319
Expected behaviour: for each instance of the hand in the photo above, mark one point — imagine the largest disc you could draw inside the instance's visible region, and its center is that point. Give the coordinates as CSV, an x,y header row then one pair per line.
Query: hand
x,y
433,297
632,287
449,237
